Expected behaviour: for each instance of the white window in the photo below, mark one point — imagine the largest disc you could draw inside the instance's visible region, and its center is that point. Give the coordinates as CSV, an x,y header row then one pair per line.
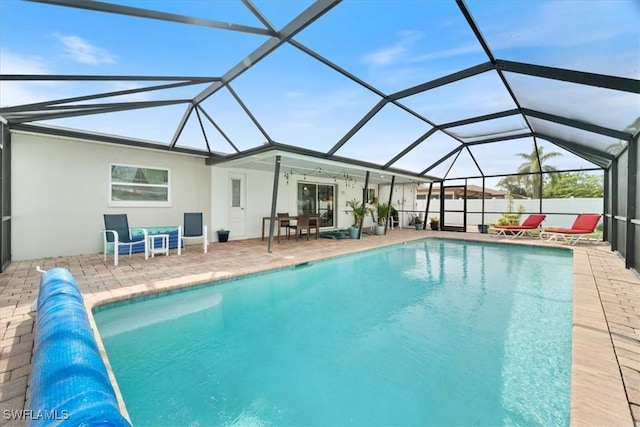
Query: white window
x,y
236,193
139,186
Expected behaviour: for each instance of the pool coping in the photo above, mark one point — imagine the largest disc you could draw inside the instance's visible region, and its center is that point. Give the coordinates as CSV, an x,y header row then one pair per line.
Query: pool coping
x,y
598,395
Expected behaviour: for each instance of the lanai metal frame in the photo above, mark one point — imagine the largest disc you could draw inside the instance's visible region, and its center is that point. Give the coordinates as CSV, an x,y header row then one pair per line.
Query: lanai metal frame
x,y
620,167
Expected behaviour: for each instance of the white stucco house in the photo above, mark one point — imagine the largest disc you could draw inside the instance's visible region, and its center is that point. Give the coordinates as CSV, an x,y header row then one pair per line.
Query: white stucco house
x,y
62,186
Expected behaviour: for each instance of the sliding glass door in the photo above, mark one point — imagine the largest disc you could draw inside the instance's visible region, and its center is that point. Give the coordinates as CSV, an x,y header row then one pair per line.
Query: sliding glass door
x,y
317,199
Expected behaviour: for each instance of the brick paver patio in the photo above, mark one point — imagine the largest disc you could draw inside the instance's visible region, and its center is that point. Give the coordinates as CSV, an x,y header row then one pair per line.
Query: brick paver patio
x,y
606,333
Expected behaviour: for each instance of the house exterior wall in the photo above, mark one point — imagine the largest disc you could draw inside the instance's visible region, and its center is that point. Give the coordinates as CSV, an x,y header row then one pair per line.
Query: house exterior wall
x,y
258,186
60,190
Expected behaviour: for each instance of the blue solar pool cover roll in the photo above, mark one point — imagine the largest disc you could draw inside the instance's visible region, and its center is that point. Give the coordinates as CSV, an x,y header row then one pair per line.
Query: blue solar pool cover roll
x,y
69,381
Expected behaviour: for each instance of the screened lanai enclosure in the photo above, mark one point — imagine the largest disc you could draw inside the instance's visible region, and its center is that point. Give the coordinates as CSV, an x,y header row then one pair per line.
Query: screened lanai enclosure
x,y
445,92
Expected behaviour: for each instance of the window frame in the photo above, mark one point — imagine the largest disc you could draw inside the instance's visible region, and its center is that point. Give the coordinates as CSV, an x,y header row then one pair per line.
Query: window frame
x,y
138,203
330,204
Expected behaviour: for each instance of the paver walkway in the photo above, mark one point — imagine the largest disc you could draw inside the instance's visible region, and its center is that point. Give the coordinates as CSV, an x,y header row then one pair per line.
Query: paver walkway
x,y
606,334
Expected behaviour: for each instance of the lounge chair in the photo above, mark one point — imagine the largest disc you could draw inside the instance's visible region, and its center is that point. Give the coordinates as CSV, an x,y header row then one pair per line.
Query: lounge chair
x,y
117,232
583,226
193,229
532,222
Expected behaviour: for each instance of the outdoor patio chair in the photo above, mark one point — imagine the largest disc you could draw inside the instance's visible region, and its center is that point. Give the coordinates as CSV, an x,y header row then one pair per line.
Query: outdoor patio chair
x,y
583,226
194,229
306,223
394,220
531,223
117,232
286,224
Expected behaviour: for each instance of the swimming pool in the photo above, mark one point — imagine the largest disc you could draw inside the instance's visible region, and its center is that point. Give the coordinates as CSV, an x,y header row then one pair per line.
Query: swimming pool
x,y
432,332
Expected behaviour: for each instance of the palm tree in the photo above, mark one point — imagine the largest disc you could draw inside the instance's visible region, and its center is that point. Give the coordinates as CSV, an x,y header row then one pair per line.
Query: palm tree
x,y
534,164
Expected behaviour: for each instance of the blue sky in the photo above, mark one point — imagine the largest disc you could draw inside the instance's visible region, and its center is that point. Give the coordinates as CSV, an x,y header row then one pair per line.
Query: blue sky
x,y
391,45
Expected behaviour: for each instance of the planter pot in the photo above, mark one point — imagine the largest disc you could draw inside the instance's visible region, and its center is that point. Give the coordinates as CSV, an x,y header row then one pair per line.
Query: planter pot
x,y
223,236
419,226
483,228
435,225
353,232
379,230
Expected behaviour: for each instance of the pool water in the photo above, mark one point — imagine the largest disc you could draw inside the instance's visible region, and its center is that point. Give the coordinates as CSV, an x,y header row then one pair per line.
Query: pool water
x,y
432,332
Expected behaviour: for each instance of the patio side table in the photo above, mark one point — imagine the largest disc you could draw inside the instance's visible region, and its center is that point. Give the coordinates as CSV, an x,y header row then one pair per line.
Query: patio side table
x,y
164,244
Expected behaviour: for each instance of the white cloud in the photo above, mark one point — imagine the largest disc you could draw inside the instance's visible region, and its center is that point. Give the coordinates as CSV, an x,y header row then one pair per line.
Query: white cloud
x,y
26,92
385,56
14,92
84,52
456,51
396,52
11,63
293,94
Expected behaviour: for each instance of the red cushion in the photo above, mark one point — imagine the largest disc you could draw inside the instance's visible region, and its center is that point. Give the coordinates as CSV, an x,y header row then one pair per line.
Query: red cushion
x,y
567,231
531,222
514,227
586,222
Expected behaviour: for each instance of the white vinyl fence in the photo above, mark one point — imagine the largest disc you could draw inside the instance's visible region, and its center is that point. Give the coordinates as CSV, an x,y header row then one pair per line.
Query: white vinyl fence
x,y
560,212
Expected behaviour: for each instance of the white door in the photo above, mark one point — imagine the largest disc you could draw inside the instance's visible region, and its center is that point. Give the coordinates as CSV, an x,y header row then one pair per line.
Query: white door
x,y
237,198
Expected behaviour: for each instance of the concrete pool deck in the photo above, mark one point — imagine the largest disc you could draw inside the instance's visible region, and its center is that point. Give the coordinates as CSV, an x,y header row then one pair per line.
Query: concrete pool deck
x,y
605,385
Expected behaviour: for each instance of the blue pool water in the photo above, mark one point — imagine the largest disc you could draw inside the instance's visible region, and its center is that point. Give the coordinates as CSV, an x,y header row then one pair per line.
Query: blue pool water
x,y
431,332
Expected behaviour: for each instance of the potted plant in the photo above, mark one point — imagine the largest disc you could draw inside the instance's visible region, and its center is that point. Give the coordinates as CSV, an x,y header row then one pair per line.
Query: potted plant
x,y
418,223
223,235
359,211
435,222
383,210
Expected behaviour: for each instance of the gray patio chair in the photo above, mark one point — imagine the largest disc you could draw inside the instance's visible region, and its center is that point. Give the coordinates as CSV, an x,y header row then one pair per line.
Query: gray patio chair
x,y
117,232
193,229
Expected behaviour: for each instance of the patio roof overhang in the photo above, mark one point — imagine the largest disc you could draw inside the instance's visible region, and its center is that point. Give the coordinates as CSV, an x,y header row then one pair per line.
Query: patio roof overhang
x,y
299,161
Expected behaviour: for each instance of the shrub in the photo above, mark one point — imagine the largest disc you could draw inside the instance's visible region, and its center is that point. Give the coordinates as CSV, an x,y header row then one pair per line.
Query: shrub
x,y
510,217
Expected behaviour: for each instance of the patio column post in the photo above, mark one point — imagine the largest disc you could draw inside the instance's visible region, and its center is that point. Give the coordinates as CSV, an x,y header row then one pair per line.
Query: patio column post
x,y
426,210
465,204
5,195
365,195
606,228
274,201
483,190
614,204
632,182
386,223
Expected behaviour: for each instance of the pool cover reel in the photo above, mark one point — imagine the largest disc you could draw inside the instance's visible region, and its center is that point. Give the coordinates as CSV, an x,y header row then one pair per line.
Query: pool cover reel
x,y
69,381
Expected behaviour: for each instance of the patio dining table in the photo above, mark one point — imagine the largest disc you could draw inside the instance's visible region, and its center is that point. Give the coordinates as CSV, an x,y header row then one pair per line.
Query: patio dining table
x,y
280,219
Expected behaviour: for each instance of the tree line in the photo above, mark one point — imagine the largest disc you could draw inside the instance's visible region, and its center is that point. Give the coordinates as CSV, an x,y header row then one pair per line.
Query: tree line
x,y
555,184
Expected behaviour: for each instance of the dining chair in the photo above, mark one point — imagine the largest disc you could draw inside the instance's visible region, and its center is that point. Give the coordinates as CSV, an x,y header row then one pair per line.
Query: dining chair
x,y
302,224
286,224
305,223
